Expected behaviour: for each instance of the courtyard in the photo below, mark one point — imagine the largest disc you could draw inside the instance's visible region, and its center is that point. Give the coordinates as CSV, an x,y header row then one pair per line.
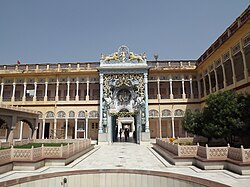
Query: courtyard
x,y
127,157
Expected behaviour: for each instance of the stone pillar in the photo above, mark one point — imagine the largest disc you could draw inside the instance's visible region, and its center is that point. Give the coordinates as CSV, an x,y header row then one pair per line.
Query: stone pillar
x,y
209,81
35,90
68,88
146,101
77,89
171,88
13,92
21,131
233,69
34,134
87,124
57,90
101,104
55,128
191,87
204,85
43,129
183,88
75,128
24,91
173,135
159,106
46,91
224,75
158,89
11,134
87,94
216,80
66,128
244,60
1,95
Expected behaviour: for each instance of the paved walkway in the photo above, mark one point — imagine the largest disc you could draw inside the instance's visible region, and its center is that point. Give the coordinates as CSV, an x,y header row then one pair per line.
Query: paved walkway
x,y
132,156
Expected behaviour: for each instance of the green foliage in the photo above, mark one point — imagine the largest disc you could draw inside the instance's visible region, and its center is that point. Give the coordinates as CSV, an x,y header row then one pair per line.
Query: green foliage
x,y
226,114
192,122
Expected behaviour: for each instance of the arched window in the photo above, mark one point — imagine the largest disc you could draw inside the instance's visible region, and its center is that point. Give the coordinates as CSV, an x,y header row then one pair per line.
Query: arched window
x,y
40,115
153,113
166,113
71,114
179,113
61,114
81,114
50,114
93,114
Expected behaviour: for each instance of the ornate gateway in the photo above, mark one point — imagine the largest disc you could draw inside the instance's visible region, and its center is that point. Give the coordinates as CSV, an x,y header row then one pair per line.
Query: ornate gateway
x,y
123,95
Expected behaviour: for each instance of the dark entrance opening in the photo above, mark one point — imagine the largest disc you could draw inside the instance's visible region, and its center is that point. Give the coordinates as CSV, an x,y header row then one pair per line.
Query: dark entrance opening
x,y
37,132
46,130
125,133
114,128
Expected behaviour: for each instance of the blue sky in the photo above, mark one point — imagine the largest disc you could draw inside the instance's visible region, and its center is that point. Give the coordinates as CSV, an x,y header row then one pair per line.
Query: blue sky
x,y
80,30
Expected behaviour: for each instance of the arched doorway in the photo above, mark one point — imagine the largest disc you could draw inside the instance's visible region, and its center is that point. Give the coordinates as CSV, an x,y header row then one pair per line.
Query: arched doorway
x,y
124,127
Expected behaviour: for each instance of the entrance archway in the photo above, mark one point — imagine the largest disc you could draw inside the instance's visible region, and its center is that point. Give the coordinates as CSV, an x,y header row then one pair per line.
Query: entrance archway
x,y
124,129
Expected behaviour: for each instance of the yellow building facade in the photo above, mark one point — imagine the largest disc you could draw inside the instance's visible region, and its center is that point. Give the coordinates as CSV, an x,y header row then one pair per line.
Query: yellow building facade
x,y
71,101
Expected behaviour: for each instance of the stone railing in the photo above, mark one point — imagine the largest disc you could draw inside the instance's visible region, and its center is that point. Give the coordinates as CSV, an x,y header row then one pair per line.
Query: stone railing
x,y
209,153
216,153
179,150
239,154
18,108
33,154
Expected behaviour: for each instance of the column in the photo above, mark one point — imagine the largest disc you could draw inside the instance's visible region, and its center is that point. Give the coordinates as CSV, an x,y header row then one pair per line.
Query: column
x,y
101,104
46,91
146,101
1,95
233,70
35,90
172,119
24,91
191,87
66,128
183,88
171,88
68,87
244,60
75,128
87,94
21,131
55,128
199,87
204,85
216,80
77,89
209,81
158,89
224,75
87,124
43,129
13,93
57,89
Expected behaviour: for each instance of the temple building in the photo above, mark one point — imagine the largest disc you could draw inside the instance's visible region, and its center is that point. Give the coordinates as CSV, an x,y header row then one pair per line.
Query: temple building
x,y
124,91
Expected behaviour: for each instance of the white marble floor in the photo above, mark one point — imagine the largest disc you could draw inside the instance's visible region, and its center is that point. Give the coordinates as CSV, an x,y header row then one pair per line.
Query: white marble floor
x,y
132,156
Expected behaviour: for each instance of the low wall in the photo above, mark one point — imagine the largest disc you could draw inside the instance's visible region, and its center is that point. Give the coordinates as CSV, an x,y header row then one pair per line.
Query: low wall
x,y
34,154
209,153
234,159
